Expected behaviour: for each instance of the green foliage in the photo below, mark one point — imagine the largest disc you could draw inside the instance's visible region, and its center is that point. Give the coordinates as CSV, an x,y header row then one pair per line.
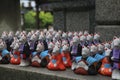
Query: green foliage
x,y
30,19
46,18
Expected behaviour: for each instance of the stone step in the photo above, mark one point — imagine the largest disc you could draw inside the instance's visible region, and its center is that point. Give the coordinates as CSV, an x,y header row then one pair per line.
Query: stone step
x,y
15,72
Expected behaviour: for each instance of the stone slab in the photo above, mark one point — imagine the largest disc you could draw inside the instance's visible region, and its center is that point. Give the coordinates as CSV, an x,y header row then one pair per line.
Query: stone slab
x,y
107,11
77,21
108,31
14,72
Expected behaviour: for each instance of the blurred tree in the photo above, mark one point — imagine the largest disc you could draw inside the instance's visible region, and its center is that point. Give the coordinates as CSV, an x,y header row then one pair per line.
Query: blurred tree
x,y
46,19
30,19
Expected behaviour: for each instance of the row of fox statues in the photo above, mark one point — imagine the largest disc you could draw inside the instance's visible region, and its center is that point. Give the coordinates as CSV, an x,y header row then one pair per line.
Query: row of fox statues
x,y
84,53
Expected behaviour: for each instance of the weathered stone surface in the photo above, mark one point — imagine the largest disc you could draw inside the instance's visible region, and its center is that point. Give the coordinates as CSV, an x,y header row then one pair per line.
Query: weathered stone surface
x,y
73,15
59,20
76,21
12,72
108,31
107,11
70,4
9,15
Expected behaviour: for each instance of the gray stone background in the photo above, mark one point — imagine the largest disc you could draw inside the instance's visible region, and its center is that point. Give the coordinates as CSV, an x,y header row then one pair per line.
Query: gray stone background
x,y
107,16
80,21
94,15
9,15
71,15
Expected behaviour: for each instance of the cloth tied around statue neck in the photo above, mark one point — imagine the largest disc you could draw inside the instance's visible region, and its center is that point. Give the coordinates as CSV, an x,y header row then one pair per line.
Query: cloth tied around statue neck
x,y
5,52
90,60
21,47
74,49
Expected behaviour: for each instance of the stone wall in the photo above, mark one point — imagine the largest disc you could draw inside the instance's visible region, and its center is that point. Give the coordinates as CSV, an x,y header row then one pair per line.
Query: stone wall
x,y
76,21
108,31
73,15
107,12
94,15
59,20
107,17
9,15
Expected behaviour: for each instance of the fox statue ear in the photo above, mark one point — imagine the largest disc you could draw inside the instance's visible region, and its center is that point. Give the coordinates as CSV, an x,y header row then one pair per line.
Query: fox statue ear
x,y
39,42
115,37
102,44
106,49
83,46
35,34
88,47
96,44
109,42
91,34
98,33
95,33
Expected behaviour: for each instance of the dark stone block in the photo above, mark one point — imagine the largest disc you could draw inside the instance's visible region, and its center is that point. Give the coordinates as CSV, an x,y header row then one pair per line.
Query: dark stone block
x,y
108,31
73,15
107,11
59,20
70,4
76,21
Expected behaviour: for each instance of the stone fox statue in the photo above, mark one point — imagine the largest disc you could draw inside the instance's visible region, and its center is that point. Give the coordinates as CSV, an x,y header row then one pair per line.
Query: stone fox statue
x,y
56,62
80,66
33,43
24,51
75,48
66,56
9,40
15,56
4,53
106,68
35,56
115,58
40,58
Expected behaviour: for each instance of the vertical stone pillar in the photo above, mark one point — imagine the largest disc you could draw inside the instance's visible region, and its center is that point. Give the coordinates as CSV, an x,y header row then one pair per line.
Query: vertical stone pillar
x,y
59,20
9,15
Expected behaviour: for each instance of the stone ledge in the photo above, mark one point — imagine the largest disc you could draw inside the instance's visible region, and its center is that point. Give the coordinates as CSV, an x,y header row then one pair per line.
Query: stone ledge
x,y
87,4
12,72
107,11
107,32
